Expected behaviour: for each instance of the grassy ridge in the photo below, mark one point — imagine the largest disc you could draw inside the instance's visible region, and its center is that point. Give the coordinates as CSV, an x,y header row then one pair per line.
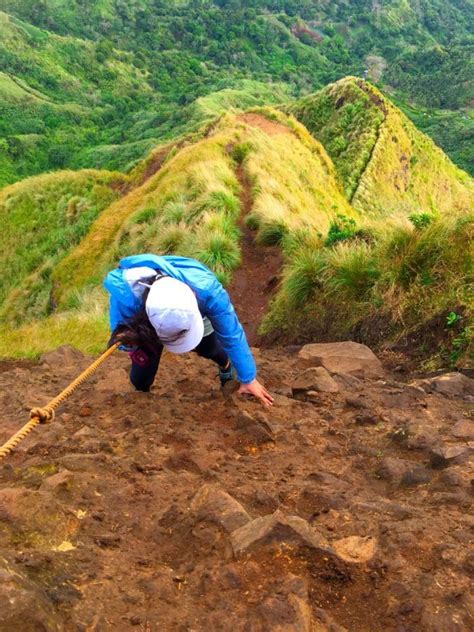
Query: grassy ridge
x,y
42,219
379,267
387,166
191,205
99,84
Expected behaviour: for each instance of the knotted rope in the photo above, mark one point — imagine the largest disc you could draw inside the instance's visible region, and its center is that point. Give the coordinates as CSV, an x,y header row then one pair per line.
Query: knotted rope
x,y
47,413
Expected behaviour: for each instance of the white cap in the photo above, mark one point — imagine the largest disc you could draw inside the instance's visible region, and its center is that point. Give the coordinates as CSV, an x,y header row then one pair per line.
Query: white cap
x,y
173,311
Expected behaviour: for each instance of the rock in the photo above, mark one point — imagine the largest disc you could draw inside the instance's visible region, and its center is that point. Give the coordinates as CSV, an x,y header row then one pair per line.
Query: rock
x,y
217,506
381,506
367,419
266,501
454,385
64,357
359,402
355,549
323,622
314,379
277,529
464,429
23,606
349,357
285,613
257,431
445,455
82,462
34,516
392,469
116,380
59,484
417,475
349,382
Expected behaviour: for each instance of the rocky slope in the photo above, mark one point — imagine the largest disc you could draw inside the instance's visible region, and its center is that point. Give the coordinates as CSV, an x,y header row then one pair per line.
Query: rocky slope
x,y
348,506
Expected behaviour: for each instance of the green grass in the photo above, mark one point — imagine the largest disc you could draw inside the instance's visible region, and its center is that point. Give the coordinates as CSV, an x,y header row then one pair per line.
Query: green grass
x,y
400,283
43,218
387,166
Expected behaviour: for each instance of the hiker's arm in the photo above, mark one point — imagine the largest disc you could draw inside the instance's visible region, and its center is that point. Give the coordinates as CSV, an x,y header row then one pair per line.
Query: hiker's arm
x,y
230,332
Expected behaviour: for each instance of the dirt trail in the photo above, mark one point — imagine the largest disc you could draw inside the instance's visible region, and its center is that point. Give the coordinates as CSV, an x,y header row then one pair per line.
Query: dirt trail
x,y
255,282
138,511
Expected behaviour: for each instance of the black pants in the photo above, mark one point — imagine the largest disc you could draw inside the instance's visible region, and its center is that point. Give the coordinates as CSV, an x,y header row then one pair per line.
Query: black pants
x,y
142,377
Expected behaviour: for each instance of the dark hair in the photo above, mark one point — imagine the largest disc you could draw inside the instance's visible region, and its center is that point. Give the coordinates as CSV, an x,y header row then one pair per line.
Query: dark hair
x,y
138,332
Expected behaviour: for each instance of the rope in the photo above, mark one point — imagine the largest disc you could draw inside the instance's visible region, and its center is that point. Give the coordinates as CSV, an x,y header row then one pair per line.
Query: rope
x,y
46,414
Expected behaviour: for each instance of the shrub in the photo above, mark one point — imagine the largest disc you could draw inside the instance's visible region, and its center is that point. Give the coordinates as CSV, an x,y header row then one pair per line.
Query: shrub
x,y
272,233
303,276
172,239
220,223
341,229
145,216
220,253
173,212
303,237
352,270
241,151
253,221
421,220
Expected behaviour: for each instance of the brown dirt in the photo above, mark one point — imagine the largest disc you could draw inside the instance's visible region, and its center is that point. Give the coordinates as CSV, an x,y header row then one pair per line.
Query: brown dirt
x,y
113,478
270,127
252,292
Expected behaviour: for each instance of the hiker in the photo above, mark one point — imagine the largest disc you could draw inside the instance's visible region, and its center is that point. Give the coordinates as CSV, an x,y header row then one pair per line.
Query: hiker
x,y
177,303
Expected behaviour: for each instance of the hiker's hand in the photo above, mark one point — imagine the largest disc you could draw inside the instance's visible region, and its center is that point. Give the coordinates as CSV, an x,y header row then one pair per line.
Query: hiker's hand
x,y
257,390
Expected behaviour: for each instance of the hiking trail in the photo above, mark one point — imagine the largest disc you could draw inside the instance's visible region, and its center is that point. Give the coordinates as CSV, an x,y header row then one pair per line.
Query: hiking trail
x,y
180,510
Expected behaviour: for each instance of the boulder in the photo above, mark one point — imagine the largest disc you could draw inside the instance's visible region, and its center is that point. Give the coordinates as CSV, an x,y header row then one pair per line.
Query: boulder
x,y
23,606
217,506
464,429
349,358
314,379
59,484
34,517
444,455
456,385
258,431
278,529
392,469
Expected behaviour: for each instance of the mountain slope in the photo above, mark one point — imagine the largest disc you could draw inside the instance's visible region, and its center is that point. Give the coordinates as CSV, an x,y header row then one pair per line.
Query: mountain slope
x,y
42,218
116,76
380,235
387,165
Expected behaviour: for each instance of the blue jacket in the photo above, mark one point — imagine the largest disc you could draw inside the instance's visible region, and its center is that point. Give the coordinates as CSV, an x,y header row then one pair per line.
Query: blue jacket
x,y
212,298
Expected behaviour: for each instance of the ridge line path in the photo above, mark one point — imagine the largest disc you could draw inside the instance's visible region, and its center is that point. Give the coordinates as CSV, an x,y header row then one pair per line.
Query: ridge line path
x,y
255,282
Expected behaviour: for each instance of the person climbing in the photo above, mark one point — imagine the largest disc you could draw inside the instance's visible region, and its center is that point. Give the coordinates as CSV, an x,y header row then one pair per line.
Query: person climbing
x,y
178,304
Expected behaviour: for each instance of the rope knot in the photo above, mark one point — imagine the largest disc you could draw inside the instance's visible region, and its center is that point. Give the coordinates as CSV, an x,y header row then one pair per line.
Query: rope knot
x,y
44,415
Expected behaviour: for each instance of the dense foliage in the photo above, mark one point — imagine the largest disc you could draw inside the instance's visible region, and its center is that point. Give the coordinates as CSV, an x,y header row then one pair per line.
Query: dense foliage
x,y
97,84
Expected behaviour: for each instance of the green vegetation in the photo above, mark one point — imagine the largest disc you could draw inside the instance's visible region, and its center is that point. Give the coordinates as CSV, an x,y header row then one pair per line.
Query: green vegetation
x,y
42,219
391,289
99,84
388,167
376,232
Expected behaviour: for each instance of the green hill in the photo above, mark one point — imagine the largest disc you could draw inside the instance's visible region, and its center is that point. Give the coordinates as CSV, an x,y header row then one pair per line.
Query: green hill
x,y
374,222
100,84
388,167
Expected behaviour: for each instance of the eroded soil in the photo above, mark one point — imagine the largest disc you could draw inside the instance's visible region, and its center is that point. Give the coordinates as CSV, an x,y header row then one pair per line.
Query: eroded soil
x,y
120,515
